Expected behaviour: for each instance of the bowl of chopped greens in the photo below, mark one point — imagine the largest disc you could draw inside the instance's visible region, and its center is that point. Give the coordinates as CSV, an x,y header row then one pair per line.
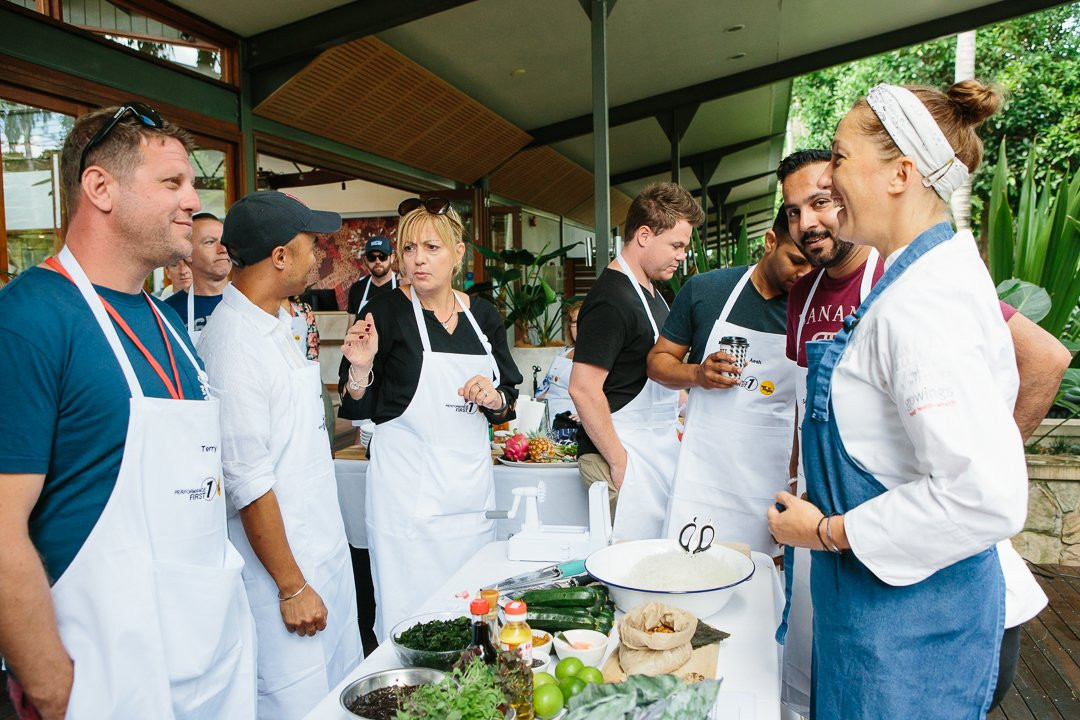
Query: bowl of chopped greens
x,y
432,640
379,695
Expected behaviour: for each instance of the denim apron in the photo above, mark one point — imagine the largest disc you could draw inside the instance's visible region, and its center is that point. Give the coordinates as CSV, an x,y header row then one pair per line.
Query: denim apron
x,y
927,650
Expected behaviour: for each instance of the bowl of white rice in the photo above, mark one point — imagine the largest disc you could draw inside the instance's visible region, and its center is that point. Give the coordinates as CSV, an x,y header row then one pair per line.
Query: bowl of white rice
x,y
644,571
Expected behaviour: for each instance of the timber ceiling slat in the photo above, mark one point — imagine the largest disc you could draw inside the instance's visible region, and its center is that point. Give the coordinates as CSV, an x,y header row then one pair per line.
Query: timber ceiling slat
x,y
368,95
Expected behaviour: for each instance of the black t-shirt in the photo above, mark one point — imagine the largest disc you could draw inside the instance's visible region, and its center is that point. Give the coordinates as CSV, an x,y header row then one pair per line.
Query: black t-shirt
x,y
397,364
356,293
615,334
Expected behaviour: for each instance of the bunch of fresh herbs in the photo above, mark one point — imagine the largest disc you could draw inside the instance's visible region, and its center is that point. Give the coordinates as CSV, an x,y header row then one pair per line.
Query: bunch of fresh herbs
x,y
469,694
437,635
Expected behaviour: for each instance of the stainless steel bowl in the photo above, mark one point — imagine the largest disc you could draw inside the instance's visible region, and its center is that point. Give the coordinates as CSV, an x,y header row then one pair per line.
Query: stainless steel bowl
x,y
387,678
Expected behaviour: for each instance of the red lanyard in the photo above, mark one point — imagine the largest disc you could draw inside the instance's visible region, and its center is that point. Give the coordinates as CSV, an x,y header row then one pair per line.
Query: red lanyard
x,y
176,389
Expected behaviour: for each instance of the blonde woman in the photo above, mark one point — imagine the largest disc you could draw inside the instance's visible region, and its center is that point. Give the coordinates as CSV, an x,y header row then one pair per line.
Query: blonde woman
x,y
431,367
915,468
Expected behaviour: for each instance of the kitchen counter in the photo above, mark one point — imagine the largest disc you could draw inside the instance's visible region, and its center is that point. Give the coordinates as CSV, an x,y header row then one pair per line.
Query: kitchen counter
x,y
748,661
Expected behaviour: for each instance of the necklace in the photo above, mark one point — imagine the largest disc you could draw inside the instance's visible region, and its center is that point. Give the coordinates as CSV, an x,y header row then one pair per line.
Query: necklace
x,y
444,323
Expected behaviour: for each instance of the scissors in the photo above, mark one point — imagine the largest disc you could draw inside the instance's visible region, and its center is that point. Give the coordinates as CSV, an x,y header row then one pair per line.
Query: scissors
x,y
687,541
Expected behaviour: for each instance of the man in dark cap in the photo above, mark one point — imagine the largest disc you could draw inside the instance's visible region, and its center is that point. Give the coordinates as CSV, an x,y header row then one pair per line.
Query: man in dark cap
x,y
278,471
377,255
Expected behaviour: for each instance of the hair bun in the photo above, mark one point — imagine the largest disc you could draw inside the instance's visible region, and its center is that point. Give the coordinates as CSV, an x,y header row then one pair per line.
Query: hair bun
x,y
974,101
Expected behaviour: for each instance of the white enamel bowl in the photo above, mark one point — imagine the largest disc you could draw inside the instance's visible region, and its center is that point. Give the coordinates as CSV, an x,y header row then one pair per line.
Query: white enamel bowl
x,y
612,566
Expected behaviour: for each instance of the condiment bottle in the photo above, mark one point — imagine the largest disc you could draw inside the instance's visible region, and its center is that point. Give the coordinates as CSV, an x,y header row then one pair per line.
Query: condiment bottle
x,y
492,597
480,633
517,635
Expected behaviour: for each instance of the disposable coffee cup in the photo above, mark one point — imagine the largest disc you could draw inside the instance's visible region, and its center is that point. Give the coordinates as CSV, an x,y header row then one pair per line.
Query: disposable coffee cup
x,y
738,348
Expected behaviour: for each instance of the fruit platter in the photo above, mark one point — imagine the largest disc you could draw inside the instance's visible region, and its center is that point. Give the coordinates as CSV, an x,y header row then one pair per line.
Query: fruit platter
x,y
538,450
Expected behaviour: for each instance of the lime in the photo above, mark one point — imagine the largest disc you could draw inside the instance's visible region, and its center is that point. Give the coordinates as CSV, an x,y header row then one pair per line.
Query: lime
x,y
568,667
547,701
544,678
590,674
571,686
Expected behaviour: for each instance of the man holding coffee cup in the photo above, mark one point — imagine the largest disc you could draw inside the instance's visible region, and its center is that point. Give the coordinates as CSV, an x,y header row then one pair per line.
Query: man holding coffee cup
x,y
739,419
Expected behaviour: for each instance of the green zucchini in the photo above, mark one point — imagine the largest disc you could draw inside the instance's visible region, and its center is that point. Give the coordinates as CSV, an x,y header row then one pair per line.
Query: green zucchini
x,y
555,619
563,597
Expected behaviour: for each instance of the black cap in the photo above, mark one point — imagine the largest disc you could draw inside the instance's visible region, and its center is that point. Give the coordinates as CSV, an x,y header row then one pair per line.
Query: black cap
x,y
259,222
205,216
378,244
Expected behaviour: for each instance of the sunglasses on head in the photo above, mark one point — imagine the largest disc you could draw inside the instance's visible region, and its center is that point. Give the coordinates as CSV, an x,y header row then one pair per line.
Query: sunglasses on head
x,y
145,114
376,257
434,205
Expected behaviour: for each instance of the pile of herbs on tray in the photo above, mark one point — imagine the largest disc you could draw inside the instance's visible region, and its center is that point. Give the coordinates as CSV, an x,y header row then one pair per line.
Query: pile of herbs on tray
x,y
471,693
437,635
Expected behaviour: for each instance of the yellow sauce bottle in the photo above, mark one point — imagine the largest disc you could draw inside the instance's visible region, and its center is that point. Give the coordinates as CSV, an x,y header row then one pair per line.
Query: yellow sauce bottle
x,y
517,635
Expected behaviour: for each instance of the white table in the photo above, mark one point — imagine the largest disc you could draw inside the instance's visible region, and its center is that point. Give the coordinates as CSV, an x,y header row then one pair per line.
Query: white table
x,y
749,660
566,503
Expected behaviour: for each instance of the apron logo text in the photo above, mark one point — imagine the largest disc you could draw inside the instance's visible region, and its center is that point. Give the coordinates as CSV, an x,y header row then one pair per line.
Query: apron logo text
x,y
467,408
210,488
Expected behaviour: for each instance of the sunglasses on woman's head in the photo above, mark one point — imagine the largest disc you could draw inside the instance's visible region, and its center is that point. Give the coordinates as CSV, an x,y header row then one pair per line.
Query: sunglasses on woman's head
x,y
145,114
375,257
434,205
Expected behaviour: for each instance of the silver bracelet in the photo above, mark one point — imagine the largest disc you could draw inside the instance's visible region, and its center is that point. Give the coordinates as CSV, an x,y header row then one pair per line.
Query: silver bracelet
x,y
355,384
828,533
295,594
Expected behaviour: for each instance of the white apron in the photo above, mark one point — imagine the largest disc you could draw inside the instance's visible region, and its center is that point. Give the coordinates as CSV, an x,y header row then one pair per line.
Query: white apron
x,y
430,481
795,691
298,330
367,287
152,609
558,392
191,316
296,672
646,427
737,442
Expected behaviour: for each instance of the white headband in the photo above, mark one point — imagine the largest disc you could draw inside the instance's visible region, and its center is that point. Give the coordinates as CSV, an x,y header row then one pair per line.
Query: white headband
x,y
913,129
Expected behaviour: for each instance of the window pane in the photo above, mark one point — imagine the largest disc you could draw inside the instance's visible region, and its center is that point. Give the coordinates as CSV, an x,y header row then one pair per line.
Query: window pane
x,y
144,34
31,139
210,179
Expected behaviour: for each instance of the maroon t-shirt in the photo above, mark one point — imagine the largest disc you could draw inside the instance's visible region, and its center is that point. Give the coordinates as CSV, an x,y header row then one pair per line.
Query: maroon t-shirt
x,y
834,299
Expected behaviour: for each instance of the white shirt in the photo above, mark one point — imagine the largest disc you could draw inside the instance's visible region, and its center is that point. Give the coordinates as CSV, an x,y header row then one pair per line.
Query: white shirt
x,y
923,398
249,355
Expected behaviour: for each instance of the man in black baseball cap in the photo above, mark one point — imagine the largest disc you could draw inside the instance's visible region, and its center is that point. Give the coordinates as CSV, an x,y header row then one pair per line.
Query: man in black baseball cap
x,y
377,258
278,472
262,221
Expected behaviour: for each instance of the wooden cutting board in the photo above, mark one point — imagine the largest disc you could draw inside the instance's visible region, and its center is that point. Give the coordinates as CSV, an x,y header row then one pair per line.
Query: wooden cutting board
x,y
702,661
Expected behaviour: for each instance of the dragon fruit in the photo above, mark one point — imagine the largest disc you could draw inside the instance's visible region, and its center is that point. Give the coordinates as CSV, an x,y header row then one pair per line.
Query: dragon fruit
x,y
517,448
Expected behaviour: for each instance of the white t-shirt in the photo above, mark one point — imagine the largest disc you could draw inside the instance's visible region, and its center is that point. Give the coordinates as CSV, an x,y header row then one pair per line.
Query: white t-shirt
x,y
249,356
923,398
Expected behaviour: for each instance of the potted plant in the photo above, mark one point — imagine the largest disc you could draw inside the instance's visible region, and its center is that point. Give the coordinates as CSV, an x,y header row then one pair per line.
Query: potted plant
x,y
522,294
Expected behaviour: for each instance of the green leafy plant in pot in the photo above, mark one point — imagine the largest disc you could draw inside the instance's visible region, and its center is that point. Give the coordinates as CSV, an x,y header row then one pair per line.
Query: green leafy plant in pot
x,y
521,292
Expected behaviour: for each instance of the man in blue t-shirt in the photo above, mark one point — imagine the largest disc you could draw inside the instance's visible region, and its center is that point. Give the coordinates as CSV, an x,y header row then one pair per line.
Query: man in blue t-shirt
x,y
65,438
210,268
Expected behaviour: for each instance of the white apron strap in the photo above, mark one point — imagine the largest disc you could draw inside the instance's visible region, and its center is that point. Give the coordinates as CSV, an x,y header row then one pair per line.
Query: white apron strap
x,y
641,296
735,294
868,274
806,306
426,339
67,259
191,310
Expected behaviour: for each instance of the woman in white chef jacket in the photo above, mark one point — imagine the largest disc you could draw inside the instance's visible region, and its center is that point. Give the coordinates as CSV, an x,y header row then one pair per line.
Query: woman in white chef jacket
x,y
434,367
556,386
914,465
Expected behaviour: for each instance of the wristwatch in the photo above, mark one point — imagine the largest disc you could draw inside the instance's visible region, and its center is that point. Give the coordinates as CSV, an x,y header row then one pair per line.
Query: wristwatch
x,y
502,408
